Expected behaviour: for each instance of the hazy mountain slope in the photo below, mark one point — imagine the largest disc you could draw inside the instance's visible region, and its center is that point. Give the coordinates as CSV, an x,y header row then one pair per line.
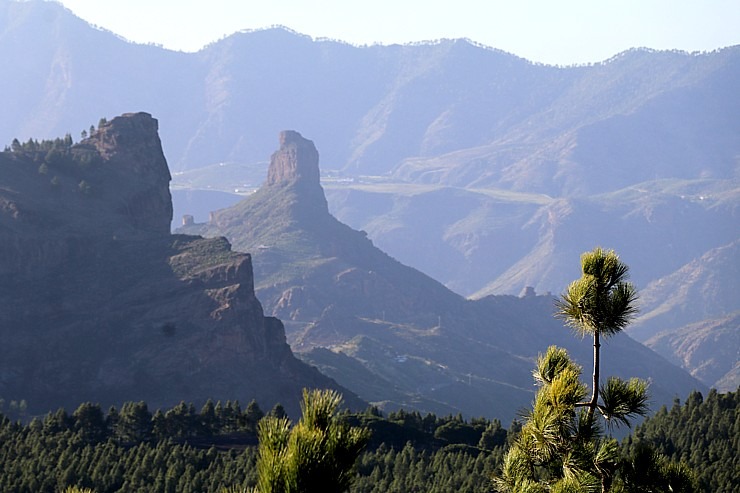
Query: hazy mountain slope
x,y
66,75
690,317
704,288
101,303
394,335
709,349
638,117
477,232
496,241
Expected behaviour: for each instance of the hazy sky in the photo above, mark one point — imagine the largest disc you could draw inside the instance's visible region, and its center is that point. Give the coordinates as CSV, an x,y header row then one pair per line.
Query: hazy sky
x,y
548,31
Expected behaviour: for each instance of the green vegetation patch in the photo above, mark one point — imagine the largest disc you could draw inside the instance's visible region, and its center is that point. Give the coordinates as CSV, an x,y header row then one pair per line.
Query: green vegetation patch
x,y
192,255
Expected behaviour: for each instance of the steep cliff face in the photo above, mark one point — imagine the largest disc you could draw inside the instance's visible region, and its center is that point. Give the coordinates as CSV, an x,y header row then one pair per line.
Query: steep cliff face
x,y
99,302
296,161
131,146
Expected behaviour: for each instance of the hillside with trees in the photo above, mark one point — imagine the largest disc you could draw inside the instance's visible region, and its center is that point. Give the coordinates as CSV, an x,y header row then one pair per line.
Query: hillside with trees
x,y
703,432
134,448
182,449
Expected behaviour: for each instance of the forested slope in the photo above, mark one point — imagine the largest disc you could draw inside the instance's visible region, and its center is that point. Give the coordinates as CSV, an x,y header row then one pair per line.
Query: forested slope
x,y
704,433
182,450
133,449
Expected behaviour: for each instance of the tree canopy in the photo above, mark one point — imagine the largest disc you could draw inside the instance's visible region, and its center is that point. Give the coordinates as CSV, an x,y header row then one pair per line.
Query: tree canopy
x,y
562,447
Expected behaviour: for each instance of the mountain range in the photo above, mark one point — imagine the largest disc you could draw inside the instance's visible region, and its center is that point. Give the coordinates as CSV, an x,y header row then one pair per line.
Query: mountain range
x,y
483,170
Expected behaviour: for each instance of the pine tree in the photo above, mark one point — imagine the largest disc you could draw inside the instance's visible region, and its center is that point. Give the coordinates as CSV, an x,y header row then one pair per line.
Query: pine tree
x,y
561,447
317,455
601,304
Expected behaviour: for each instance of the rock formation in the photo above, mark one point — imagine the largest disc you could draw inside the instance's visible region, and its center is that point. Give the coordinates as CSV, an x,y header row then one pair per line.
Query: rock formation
x,y
296,161
100,303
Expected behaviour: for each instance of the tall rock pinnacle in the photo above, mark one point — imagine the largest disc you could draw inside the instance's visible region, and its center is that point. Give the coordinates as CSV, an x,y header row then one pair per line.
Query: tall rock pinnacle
x,y
294,168
297,161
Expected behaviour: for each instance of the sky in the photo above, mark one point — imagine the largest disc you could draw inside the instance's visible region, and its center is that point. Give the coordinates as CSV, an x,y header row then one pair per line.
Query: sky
x,y
561,32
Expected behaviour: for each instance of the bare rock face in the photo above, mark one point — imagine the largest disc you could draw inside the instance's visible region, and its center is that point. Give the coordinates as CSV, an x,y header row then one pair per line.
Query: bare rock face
x,y
297,160
130,144
99,302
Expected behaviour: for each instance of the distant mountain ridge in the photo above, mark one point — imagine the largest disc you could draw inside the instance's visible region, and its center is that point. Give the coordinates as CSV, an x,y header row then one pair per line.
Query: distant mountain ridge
x,y
701,289
449,113
388,332
101,303
709,349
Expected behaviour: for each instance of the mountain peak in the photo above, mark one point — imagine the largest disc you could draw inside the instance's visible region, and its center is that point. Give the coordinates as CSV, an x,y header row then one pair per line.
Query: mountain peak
x,y
296,161
129,124
130,143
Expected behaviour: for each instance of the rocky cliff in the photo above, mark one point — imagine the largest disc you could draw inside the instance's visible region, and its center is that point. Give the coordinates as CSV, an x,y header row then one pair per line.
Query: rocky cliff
x,y
101,303
296,161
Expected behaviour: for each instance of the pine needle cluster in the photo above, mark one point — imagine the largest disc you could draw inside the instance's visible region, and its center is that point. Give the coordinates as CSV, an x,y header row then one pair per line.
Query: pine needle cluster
x,y
317,454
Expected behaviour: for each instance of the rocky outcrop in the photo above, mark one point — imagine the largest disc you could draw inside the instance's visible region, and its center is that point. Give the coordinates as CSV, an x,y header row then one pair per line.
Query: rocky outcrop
x,y
130,144
297,160
114,182
99,302
286,226
294,168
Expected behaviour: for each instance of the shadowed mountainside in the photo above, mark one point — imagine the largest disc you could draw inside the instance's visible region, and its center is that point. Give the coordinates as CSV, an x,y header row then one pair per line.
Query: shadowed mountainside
x,y
101,303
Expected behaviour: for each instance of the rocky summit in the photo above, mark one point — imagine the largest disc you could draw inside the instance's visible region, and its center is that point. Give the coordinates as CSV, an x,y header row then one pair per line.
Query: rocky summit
x,y
296,161
99,302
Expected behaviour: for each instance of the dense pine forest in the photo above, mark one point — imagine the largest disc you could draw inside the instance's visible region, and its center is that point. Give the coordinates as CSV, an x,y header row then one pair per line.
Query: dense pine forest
x,y
182,449
703,433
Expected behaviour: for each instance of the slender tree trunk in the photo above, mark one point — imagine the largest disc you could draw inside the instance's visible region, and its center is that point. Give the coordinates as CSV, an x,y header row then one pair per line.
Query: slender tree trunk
x,y
595,392
595,395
